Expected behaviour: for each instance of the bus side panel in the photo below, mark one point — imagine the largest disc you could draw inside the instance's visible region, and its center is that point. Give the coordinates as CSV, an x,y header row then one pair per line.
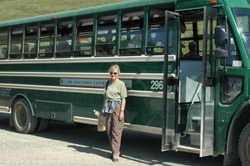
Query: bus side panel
x,y
58,104
64,106
49,109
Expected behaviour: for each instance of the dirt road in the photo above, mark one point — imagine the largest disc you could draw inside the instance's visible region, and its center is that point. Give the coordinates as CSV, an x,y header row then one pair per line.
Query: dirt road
x,y
65,144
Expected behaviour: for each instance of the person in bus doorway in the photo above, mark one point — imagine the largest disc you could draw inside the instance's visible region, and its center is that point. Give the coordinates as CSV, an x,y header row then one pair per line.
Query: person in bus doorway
x,y
192,51
115,93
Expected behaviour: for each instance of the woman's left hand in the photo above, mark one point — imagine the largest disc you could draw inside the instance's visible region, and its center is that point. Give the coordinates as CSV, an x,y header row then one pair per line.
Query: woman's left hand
x,y
121,116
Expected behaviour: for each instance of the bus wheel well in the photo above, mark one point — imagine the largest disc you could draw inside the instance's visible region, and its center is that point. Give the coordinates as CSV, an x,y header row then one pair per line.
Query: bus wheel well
x,y
17,98
238,125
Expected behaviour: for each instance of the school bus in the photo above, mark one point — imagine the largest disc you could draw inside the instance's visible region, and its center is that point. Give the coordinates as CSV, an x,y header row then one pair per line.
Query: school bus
x,y
185,64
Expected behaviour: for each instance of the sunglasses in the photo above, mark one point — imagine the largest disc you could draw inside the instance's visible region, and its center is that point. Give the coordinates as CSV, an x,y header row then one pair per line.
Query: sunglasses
x,y
112,73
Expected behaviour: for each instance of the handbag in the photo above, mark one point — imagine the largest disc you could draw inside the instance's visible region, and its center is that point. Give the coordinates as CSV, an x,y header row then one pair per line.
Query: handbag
x,y
101,127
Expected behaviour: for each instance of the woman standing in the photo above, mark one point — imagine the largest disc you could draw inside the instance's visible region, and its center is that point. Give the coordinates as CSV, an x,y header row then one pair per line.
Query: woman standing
x,y
115,93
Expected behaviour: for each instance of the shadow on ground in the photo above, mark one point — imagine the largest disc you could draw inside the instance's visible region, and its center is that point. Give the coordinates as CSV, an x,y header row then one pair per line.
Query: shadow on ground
x,y
139,147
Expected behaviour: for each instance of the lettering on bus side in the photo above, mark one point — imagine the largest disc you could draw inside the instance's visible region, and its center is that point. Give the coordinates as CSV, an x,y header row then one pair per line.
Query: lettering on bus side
x,y
94,83
5,92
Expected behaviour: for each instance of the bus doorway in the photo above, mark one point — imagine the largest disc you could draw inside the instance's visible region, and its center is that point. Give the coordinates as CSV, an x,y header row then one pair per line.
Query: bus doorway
x,y
188,118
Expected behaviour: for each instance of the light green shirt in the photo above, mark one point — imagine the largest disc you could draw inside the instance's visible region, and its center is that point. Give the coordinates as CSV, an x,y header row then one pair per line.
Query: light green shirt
x,y
117,90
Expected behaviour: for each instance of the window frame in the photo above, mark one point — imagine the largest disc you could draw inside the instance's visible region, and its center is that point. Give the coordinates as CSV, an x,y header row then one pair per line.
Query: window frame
x,y
6,44
153,27
51,39
142,30
77,35
18,54
64,43
110,47
36,39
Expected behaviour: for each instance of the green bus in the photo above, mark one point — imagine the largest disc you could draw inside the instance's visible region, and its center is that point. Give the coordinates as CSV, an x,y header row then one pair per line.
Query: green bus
x,y
54,67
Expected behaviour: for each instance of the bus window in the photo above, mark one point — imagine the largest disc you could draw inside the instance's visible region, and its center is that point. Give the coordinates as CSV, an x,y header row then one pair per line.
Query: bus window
x,y
106,34
64,38
131,32
234,58
46,40
3,43
242,18
192,38
156,32
30,41
84,37
230,88
187,37
15,42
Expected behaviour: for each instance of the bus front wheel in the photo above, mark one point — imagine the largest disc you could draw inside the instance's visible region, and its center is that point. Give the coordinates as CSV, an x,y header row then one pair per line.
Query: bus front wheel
x,y
244,146
22,117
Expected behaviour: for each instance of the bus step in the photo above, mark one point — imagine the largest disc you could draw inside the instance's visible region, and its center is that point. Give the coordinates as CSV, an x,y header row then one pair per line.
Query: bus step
x,y
194,138
191,138
198,118
187,149
193,132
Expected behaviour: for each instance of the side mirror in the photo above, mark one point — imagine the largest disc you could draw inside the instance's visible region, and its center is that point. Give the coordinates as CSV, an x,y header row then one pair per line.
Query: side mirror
x,y
220,53
220,36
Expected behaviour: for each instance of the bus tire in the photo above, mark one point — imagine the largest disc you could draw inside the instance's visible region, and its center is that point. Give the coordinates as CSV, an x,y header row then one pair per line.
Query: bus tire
x,y
22,117
42,124
244,146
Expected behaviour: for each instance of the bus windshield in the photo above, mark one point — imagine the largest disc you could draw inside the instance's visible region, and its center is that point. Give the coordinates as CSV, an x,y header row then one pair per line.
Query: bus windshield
x,y
242,17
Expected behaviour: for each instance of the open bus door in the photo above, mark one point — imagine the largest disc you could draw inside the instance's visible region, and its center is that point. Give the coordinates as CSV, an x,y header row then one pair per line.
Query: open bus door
x,y
170,83
200,112
208,83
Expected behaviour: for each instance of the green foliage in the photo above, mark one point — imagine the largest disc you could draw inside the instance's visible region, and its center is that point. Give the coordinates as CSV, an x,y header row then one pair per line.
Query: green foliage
x,y
15,9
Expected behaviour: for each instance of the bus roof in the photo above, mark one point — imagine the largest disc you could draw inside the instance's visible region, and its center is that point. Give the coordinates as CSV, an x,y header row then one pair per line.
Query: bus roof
x,y
86,11
195,4
244,4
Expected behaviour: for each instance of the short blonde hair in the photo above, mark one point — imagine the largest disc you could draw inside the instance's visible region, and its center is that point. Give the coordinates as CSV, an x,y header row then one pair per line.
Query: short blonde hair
x,y
114,67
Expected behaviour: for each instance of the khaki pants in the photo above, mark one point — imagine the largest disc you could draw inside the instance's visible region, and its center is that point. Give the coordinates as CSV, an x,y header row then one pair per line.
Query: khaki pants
x,y
114,129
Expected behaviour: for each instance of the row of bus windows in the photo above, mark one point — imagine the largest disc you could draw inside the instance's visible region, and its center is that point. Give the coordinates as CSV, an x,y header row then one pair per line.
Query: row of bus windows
x,y
105,39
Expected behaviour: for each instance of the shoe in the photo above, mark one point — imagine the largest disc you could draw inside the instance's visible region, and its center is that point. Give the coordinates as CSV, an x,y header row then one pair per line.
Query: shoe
x,y
111,155
116,157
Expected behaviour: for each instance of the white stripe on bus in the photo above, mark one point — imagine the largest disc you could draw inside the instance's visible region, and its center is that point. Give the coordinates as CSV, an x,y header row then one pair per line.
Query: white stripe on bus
x,y
139,76
113,59
128,126
134,93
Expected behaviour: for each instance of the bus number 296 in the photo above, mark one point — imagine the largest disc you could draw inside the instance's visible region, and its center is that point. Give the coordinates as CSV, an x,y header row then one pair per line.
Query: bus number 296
x,y
156,85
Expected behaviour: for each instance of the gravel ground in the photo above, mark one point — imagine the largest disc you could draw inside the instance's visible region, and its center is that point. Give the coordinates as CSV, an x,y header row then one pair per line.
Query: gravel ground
x,y
65,144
